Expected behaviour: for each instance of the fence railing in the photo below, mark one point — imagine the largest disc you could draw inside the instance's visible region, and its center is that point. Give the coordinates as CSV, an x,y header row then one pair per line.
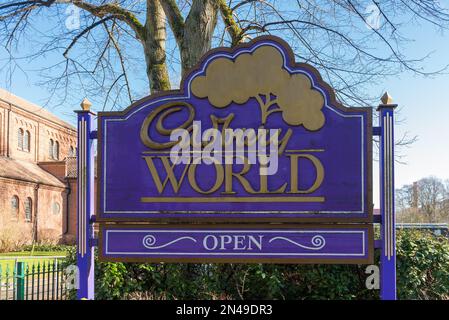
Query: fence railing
x,y
33,281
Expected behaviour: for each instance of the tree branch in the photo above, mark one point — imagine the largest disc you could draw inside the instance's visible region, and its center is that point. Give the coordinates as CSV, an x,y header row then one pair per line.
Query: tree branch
x,y
92,26
175,19
117,12
234,30
100,11
122,60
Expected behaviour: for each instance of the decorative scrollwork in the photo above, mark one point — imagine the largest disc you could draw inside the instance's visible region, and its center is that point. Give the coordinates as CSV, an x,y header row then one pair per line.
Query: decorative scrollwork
x,y
149,242
318,242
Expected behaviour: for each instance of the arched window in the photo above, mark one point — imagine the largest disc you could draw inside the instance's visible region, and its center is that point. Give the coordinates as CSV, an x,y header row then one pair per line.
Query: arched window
x,y
50,148
56,207
20,139
28,209
56,150
26,141
15,206
72,152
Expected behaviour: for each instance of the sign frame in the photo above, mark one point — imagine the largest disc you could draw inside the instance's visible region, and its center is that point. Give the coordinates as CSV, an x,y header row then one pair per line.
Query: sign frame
x,y
86,241
239,227
198,216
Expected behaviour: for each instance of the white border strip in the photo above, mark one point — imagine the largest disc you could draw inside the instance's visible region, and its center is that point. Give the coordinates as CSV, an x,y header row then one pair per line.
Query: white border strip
x,y
362,232
227,55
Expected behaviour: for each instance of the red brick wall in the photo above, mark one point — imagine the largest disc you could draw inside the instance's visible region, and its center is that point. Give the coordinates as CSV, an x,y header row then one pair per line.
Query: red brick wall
x,y
41,131
2,135
50,221
3,131
56,168
72,216
50,224
17,122
15,228
61,135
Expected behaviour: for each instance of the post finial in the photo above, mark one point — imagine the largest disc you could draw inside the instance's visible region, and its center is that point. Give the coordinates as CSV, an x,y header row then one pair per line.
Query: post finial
x,y
86,104
386,98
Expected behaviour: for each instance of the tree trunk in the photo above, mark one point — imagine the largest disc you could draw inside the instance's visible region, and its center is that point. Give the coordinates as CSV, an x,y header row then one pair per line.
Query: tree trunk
x,y
154,47
196,39
198,31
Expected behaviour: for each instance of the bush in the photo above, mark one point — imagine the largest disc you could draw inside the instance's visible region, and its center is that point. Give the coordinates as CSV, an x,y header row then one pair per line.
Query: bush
x,y
45,246
422,269
12,238
423,266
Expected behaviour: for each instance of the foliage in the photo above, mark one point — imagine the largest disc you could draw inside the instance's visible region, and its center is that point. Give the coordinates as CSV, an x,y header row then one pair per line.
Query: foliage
x,y
12,238
423,273
25,254
45,247
423,266
15,237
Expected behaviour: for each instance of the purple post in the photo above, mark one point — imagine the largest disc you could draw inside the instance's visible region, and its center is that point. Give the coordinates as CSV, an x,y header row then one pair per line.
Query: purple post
x,y
85,205
388,232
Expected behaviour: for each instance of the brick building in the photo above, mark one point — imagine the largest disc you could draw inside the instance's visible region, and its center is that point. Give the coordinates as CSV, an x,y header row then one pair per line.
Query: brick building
x,y
37,173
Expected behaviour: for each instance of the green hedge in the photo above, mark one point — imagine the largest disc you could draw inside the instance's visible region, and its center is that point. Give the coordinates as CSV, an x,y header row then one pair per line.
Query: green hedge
x,y
423,273
44,247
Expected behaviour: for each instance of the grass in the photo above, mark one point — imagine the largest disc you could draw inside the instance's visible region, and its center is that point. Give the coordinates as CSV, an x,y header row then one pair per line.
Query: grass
x,y
37,257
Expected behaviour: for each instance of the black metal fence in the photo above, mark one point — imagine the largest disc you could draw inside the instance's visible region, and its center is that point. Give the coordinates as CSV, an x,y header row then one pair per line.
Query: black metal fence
x,y
41,280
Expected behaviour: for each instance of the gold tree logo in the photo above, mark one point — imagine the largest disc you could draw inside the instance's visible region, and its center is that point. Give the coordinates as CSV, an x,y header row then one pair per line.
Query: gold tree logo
x,y
261,75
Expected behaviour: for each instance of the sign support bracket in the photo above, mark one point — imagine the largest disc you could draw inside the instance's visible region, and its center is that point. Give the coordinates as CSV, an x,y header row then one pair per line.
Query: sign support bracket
x,y
388,226
85,197
301,244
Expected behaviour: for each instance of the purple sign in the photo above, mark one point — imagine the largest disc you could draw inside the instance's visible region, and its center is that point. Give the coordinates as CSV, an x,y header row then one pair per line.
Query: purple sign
x,y
323,163
342,244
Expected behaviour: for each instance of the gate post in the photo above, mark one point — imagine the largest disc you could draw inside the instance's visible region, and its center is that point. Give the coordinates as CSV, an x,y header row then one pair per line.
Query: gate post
x,y
85,201
388,226
20,276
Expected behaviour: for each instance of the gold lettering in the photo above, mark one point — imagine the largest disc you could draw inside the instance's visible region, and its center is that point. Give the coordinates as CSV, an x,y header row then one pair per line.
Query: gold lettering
x,y
264,185
170,174
294,158
218,180
281,142
166,110
229,174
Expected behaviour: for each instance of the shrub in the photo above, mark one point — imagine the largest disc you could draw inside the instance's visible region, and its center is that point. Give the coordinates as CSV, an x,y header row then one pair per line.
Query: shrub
x,y
45,246
12,238
422,266
422,269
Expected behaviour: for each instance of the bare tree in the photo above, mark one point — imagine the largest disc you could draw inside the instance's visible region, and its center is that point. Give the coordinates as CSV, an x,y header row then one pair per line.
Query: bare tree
x,y
432,199
431,193
353,43
404,197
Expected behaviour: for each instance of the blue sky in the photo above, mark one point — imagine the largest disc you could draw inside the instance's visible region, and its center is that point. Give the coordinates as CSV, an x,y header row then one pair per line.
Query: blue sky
x,y
424,104
424,107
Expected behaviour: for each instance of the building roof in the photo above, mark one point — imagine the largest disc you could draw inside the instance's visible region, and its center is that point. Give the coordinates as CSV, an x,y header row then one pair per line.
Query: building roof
x,y
27,171
37,110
